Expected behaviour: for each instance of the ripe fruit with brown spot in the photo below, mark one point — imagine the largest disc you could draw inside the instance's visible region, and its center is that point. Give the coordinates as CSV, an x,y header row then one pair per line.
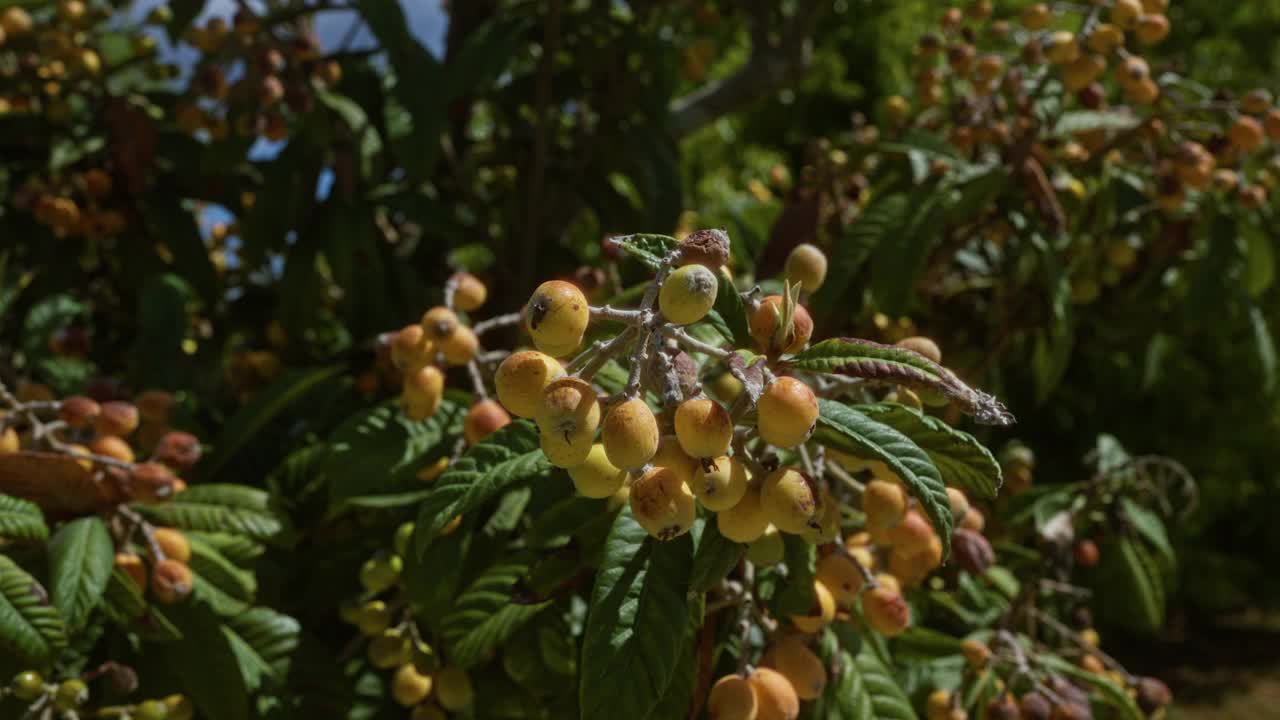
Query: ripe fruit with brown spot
x,y
800,666
557,315
1086,553
703,427
597,477
840,574
422,393
151,482
567,421
719,483
732,698
178,450
786,413
775,697
688,294
885,609
708,247
806,266
746,521
439,323
822,612
116,418
410,687
173,544
170,581
484,419
789,501
764,326
662,504
78,411
521,379
630,434
469,293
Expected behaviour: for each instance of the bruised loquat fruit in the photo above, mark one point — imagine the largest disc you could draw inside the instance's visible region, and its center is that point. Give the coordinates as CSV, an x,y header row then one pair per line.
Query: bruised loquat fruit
x,y
885,609
597,477
839,573
703,427
171,581
786,412
719,483
557,315
630,434
688,294
521,379
116,418
662,503
567,421
789,501
439,323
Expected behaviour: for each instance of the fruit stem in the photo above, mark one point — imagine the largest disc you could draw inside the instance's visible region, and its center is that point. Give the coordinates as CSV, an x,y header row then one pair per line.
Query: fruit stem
x,y
622,315
496,321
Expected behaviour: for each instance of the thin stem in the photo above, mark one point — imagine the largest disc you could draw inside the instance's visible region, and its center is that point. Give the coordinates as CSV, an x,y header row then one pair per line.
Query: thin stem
x,y
622,315
477,380
689,342
496,321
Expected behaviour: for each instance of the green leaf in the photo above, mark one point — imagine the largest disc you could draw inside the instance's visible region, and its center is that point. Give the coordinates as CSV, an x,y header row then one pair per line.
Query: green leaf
x,y
484,55
898,265
1112,694
122,600
878,221
862,688
207,664
714,557
218,508
227,589
378,453
732,312
1078,121
505,458
845,429
1151,528
1141,584
797,596
414,69
922,643
647,248
873,361
290,388
21,519
1260,263
81,556
636,622
31,630
1264,347
264,642
157,354
675,700
961,460
484,616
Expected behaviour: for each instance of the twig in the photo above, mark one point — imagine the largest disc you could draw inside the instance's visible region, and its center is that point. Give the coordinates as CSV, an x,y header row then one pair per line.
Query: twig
x,y
477,380
496,321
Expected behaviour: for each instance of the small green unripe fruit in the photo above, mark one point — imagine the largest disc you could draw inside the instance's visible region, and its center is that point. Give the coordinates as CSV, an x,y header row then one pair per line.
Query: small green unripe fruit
x,y
180,707
763,326
768,549
727,387
70,695
732,698
793,658
703,427
567,421
422,393
27,685
379,573
775,697
789,501
671,455
557,315
373,617
745,522
403,535
806,266
630,434
822,612
885,503
410,687
597,477
688,294
151,710
786,412
662,504
720,483
521,379
453,689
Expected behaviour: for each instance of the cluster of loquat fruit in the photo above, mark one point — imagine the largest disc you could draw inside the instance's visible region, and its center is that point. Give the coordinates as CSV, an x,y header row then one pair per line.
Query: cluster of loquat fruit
x,y
395,642
70,697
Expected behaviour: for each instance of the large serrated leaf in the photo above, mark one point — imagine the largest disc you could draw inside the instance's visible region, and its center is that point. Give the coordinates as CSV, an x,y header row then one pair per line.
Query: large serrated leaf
x,y
227,589
503,459
1130,570
636,622
209,668
30,628
648,248
845,429
961,460
896,266
714,557
732,311
378,451
862,688
853,357
264,642
675,700
122,599
81,556
484,616
219,508
21,520
878,221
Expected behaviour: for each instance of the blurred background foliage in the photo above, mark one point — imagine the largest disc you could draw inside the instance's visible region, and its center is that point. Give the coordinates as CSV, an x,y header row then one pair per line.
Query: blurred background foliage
x,y
282,193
